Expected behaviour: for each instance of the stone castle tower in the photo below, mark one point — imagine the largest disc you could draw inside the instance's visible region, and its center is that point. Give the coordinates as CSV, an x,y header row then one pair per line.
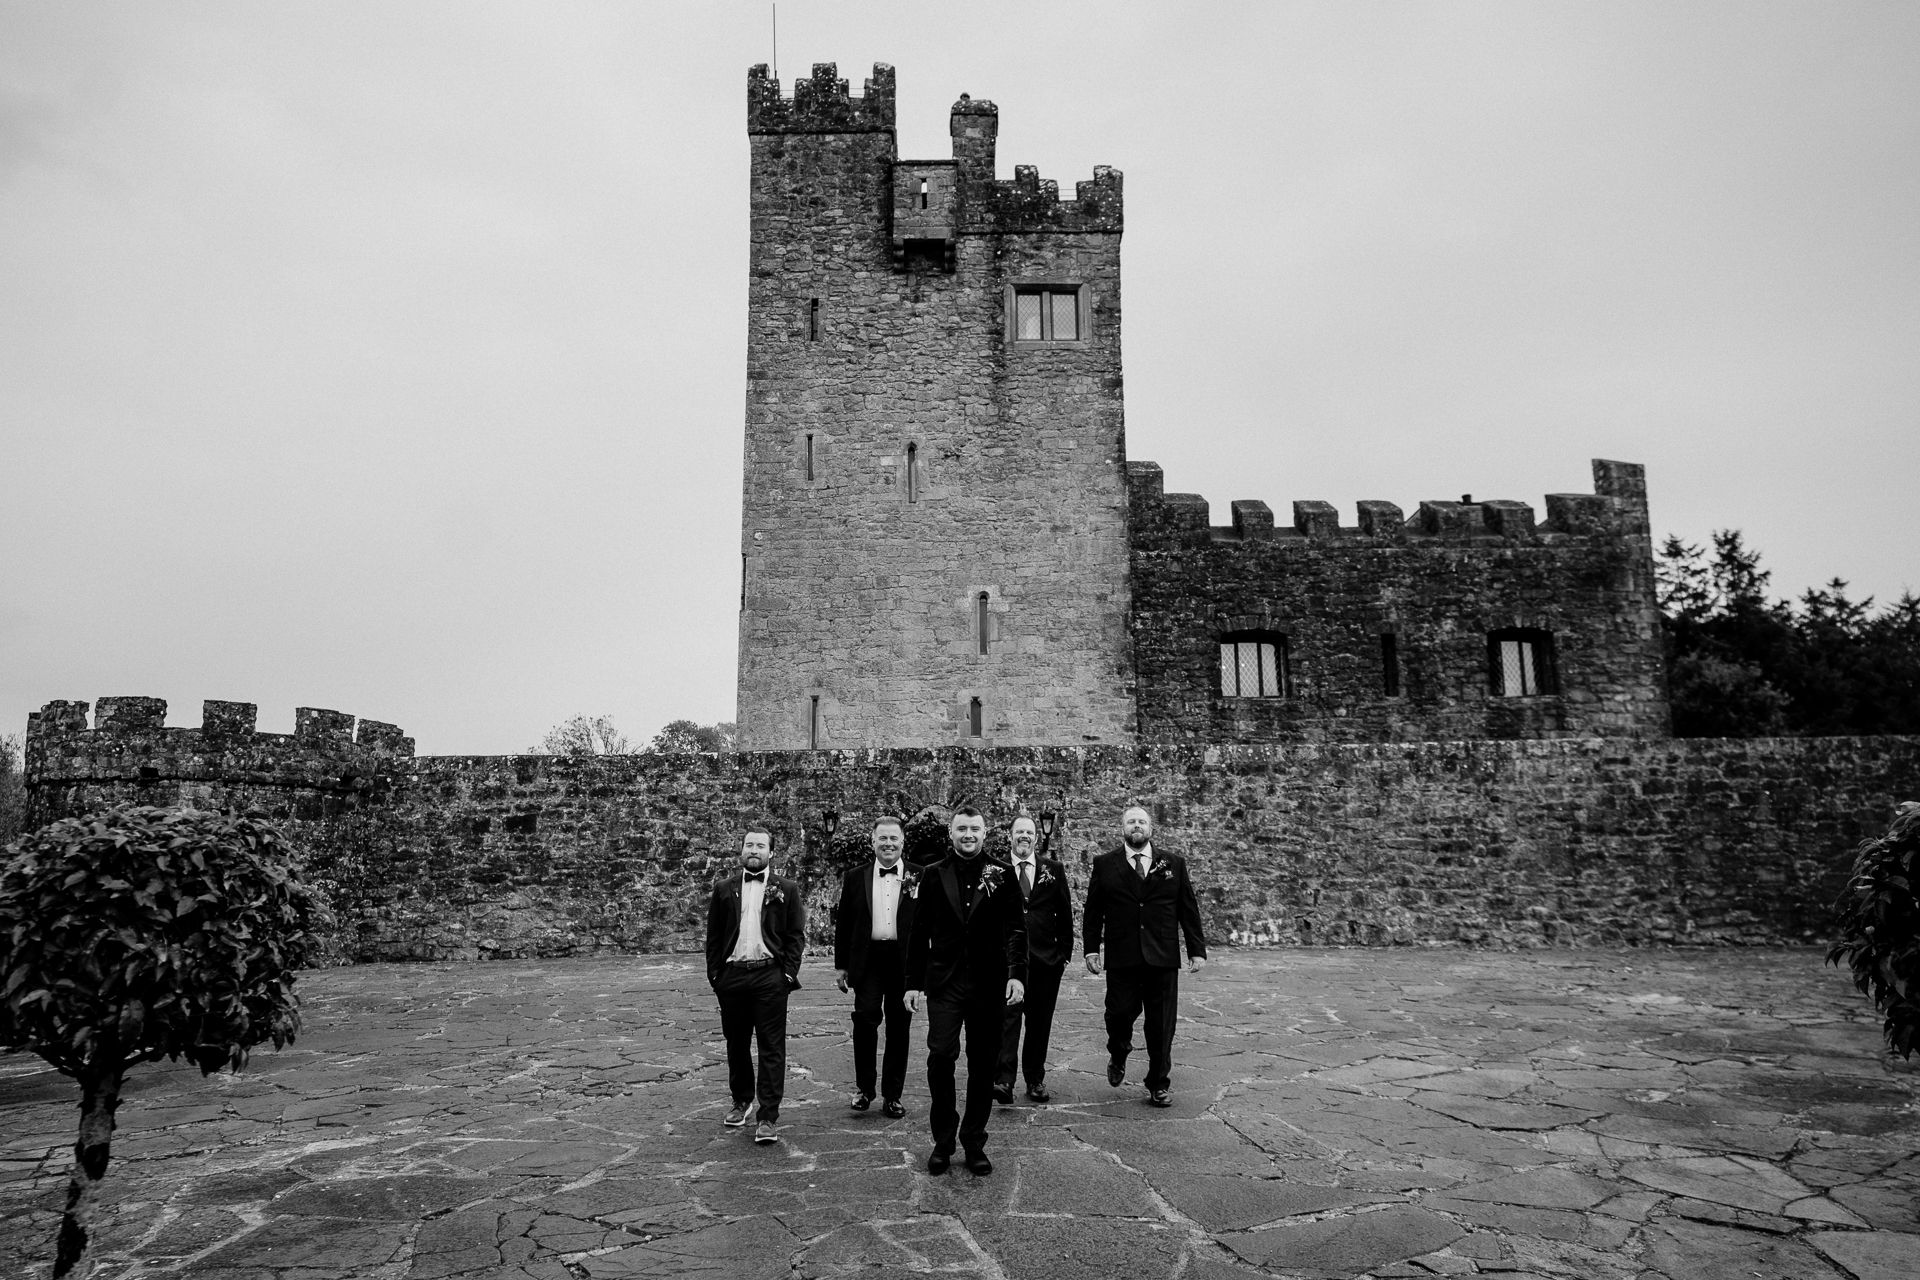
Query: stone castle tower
x,y
934,531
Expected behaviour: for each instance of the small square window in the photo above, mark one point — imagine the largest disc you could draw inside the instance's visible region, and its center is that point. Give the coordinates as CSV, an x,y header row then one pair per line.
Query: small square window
x,y
1048,313
1254,666
1520,664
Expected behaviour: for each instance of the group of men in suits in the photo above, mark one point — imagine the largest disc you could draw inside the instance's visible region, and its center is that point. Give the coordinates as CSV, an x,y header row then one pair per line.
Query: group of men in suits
x,y
982,944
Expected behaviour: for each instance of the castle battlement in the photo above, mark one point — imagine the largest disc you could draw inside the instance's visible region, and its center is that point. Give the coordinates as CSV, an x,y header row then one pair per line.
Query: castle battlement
x,y
1616,509
820,103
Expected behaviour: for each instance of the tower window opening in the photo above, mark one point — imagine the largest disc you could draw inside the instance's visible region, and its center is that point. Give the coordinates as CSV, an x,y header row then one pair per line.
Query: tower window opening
x,y
1390,663
976,718
923,193
809,455
813,722
913,473
1255,665
1047,315
813,320
981,619
1520,663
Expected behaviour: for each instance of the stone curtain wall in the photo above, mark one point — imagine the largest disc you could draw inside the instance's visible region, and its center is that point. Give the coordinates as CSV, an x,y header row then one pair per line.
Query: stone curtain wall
x,y
1553,842
854,594
1439,582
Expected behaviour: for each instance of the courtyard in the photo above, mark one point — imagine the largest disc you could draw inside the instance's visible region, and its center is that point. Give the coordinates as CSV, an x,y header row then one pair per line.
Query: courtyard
x,y
1690,1115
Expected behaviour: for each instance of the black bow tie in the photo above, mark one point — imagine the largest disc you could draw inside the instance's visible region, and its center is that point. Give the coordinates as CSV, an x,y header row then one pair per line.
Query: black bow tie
x,y
759,876
893,870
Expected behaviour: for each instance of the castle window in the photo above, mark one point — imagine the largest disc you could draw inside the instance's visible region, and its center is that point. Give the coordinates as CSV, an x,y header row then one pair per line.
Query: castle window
x,y
981,620
1049,313
1254,665
813,723
976,718
809,455
813,320
913,473
923,193
1520,663
1390,663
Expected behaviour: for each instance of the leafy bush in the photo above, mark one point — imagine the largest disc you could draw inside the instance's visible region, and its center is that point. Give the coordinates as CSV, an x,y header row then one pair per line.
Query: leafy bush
x,y
1880,928
137,934
13,789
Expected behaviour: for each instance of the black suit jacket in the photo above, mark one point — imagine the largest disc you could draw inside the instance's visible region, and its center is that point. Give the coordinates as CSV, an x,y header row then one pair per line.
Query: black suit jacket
x,y
982,936
783,925
853,921
1049,913
1138,922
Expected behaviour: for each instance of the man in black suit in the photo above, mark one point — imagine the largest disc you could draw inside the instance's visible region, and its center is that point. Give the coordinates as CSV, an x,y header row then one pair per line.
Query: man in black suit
x,y
1043,887
968,954
756,929
1139,902
875,918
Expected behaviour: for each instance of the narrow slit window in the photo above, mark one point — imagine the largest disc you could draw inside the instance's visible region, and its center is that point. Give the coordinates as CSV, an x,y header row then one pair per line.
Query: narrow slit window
x,y
1390,663
813,722
1048,315
913,473
981,618
1520,663
813,320
809,455
923,193
976,718
1254,666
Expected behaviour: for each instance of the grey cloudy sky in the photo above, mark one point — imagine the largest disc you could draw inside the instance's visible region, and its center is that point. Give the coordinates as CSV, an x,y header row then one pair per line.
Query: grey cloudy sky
x,y
389,357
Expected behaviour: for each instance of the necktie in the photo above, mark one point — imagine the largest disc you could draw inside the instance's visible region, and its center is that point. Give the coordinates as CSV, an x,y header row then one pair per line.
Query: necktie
x,y
1140,862
760,876
1026,877
893,870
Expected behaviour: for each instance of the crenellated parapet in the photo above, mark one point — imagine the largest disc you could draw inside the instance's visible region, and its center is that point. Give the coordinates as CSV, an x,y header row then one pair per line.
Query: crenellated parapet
x,y
1616,509
820,103
330,760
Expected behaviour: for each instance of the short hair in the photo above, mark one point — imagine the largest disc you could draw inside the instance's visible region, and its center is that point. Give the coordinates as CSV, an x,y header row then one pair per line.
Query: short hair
x,y
965,811
1022,817
888,820
758,828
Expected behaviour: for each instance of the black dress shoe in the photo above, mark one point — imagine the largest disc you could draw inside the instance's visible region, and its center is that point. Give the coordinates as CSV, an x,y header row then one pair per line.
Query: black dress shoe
x,y
978,1164
1160,1097
1038,1092
939,1160
862,1101
893,1108
1003,1093
1116,1072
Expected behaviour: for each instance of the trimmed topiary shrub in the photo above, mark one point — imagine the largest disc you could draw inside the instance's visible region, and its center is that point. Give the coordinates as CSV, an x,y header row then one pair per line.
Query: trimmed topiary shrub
x,y
137,934
1880,927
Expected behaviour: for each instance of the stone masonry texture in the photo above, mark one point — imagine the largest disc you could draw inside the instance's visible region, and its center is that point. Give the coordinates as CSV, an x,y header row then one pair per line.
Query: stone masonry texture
x,y
905,456
1561,842
1438,584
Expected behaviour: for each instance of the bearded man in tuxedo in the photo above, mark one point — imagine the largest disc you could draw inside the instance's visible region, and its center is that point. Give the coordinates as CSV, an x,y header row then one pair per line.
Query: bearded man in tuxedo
x,y
871,928
756,930
1139,902
968,956
1049,903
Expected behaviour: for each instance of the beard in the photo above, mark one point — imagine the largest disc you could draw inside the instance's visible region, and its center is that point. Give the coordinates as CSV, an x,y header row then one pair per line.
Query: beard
x,y
1137,839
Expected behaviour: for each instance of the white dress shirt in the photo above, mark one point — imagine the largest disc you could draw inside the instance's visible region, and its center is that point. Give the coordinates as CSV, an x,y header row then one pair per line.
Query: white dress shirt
x,y
1027,871
1142,859
752,893
886,902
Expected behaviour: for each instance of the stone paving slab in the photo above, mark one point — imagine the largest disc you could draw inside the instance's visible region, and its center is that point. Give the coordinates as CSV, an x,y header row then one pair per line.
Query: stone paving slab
x,y
1630,1114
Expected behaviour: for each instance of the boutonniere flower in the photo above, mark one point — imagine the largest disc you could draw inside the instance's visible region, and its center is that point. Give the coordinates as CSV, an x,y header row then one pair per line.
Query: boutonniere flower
x,y
1161,870
991,877
910,881
774,894
1046,875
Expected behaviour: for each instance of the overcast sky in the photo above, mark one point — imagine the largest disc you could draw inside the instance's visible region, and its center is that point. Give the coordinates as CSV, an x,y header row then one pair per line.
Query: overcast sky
x,y
389,357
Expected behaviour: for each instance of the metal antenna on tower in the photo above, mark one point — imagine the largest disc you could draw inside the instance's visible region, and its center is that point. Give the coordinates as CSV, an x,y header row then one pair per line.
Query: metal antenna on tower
x,y
776,44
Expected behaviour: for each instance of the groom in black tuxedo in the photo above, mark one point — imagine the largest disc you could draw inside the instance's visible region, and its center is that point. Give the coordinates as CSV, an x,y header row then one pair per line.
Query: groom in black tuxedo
x,y
871,928
968,955
1139,902
756,931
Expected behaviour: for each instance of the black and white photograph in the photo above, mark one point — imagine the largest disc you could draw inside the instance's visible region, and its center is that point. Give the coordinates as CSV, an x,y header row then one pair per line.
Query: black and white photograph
x,y
606,670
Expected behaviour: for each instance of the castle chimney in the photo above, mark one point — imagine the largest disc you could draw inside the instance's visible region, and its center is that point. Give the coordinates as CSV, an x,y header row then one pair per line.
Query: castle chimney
x,y
975,127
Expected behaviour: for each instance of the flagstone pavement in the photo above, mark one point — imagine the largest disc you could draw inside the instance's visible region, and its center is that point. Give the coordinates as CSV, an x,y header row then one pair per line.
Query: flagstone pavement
x,y
1684,1115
